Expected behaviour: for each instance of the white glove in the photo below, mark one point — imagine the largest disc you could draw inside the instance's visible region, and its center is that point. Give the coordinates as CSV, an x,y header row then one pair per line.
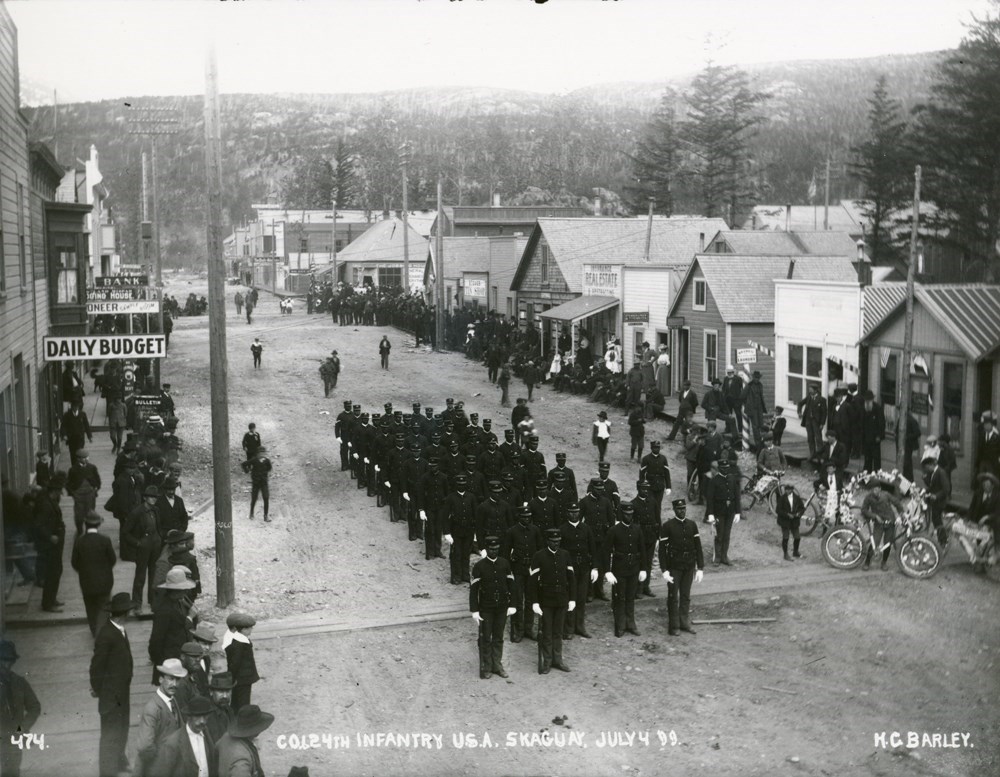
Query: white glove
x,y
355,456
711,519
350,445
386,483
482,553
423,516
376,467
593,575
406,496
511,610
642,575
698,576
448,539
366,460
668,577
338,441
537,609
477,617
667,492
737,518
610,577
572,606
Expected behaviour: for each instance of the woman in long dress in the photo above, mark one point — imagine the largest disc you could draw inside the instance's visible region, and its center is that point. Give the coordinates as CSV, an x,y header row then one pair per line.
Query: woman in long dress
x,y
662,373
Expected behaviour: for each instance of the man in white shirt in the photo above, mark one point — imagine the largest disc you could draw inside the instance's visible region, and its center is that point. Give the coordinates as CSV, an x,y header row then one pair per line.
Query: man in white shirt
x,y
188,751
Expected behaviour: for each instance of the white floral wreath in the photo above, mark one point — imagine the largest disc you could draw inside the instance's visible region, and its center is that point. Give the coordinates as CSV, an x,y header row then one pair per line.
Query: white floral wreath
x,y
912,511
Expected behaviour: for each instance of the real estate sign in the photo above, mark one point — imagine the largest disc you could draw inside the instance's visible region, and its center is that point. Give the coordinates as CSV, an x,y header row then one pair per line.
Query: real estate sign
x,y
602,280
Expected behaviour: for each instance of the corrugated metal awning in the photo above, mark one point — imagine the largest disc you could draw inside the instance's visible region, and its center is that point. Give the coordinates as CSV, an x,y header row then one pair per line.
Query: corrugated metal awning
x,y
581,307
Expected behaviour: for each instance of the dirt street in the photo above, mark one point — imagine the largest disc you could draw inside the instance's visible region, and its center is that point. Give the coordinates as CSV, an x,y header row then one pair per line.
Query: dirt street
x,y
806,694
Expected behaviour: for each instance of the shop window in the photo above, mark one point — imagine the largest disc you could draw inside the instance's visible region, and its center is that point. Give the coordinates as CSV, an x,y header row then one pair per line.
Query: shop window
x,y
390,276
700,294
888,384
805,368
952,394
66,276
711,356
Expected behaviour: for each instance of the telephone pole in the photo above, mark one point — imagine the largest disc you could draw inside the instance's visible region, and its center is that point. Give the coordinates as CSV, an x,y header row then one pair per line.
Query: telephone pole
x,y
439,271
225,590
904,401
152,123
406,232
649,230
333,244
826,196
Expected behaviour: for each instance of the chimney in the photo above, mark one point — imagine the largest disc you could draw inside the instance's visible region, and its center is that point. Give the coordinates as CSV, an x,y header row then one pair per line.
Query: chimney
x,y
496,200
753,221
597,206
788,218
791,269
701,242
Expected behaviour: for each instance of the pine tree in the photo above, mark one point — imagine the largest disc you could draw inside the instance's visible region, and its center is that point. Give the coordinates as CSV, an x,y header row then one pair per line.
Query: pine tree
x,y
310,186
722,120
882,166
345,182
655,160
957,139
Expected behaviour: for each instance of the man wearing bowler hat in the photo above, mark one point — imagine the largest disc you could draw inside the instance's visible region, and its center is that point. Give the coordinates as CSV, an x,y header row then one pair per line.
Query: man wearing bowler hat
x,y
189,751
551,586
20,709
111,682
682,563
161,716
220,688
83,481
237,749
94,560
143,537
196,682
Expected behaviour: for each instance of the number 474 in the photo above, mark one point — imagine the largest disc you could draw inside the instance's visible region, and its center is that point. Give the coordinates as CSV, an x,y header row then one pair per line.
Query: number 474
x,y
25,741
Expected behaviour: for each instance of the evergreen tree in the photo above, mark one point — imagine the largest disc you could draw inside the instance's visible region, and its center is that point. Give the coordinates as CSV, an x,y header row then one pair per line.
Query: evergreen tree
x,y
722,121
345,182
310,186
957,140
655,160
882,166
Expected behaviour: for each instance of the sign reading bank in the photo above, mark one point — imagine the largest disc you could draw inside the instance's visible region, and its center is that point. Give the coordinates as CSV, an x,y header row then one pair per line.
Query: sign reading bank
x,y
65,349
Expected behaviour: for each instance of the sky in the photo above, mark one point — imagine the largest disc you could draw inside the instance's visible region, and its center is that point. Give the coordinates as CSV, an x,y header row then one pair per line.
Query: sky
x,y
97,49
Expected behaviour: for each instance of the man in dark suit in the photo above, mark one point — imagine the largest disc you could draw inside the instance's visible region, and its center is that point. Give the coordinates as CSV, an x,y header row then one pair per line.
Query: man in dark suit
x,y
51,540
938,493
170,509
625,560
94,560
491,601
988,448
551,583
687,404
189,751
790,509
110,684
75,427
872,432
834,453
83,481
812,411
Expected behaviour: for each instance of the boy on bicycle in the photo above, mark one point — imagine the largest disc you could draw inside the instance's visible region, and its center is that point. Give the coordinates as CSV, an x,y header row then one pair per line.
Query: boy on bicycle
x,y
879,510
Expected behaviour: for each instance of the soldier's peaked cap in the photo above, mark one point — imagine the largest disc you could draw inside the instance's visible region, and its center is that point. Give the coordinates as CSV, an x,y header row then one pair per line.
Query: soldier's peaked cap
x,y
553,534
678,503
492,542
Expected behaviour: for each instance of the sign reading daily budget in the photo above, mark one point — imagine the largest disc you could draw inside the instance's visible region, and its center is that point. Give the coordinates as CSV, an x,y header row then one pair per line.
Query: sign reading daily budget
x,y
65,349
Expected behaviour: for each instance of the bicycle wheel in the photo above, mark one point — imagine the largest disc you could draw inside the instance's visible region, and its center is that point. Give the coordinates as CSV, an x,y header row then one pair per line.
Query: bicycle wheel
x,y
919,557
772,501
811,518
843,548
693,488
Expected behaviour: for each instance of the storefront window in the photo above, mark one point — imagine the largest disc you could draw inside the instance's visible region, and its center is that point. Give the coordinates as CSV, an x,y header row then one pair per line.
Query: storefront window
x,y
390,276
888,381
805,368
953,377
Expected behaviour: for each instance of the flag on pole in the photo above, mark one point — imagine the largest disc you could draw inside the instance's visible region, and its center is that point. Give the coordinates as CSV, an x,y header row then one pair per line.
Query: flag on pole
x,y
812,187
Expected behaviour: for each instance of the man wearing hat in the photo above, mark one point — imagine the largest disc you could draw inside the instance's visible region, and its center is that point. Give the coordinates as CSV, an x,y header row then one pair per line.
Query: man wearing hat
x,y
644,515
790,508
414,470
220,688
213,659
491,600
533,462
938,487
835,454
161,716
196,682
569,475
459,522
237,751
543,508
75,427
20,709
51,540
169,631
259,468
94,560
251,441
493,517
578,541
754,406
610,486
240,657
682,563
625,562
812,412
723,509
872,432
341,433
392,478
714,402
551,587
111,683
654,470
170,508
433,493
687,403
83,481
522,542
189,751
505,448
598,513
143,538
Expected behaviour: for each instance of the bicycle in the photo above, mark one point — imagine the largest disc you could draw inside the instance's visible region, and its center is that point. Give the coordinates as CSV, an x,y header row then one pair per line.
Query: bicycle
x,y
923,556
845,546
765,490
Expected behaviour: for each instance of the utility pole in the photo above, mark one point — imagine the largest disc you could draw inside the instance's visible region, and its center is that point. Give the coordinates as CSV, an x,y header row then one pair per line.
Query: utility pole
x,y
406,231
826,196
225,585
153,122
333,244
904,401
439,271
649,230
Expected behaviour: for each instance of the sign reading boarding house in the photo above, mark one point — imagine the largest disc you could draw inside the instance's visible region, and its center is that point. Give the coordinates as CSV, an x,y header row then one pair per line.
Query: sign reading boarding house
x,y
67,349
602,280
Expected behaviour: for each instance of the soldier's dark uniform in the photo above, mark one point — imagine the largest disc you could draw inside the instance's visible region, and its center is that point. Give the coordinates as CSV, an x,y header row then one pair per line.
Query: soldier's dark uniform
x,y
460,521
551,583
508,445
340,431
680,555
543,509
600,516
623,552
490,594
568,474
513,493
476,480
723,503
654,470
492,463
395,459
519,546
413,471
431,502
493,516
533,463
578,541
351,426
644,514
610,486
562,497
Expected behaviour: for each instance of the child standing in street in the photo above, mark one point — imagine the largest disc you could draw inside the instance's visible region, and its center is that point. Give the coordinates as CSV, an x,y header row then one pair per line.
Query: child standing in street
x,y
531,377
256,348
601,434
